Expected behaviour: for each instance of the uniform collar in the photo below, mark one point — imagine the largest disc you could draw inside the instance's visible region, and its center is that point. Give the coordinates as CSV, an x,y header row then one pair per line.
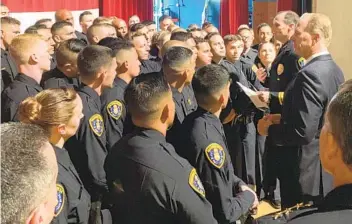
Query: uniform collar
x,y
209,116
176,94
26,79
62,156
288,46
151,134
89,91
120,82
338,198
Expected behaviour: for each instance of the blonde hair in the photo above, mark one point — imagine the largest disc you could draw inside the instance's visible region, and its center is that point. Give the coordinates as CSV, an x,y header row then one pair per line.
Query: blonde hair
x,y
48,108
162,37
23,46
319,24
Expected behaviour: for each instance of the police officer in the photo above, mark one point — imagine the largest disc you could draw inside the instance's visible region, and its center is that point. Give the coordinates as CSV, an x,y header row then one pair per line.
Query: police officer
x,y
282,72
248,53
30,53
10,28
117,120
188,94
178,68
297,129
65,74
140,42
87,148
45,32
240,133
59,114
204,145
159,186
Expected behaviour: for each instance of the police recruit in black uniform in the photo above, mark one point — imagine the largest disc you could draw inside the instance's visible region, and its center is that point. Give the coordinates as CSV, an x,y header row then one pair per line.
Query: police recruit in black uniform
x,y
165,187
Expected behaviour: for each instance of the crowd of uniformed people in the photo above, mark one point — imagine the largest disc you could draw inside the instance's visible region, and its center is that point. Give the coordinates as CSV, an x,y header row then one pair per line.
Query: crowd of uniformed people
x,y
122,123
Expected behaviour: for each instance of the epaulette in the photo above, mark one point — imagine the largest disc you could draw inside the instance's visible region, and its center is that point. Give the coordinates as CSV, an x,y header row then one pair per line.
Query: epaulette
x,y
287,211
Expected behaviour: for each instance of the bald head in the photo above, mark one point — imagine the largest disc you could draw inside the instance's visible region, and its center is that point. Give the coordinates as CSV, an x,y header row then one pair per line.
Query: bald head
x,y
64,15
172,43
120,26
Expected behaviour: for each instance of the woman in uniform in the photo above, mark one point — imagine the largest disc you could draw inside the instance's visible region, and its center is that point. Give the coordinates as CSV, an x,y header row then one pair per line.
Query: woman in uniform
x,y
59,112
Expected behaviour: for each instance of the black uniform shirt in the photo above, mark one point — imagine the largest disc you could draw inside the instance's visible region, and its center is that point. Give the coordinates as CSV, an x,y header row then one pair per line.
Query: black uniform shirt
x,y
251,55
159,185
8,69
81,36
335,208
73,200
57,79
283,70
150,66
21,88
189,99
204,146
114,112
181,113
87,148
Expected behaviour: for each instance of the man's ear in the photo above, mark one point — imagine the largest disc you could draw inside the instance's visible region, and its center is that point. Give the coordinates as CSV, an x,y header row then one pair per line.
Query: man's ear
x,y
56,38
165,114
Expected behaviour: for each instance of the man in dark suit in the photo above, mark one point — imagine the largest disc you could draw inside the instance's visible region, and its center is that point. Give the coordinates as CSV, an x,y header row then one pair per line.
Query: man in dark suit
x,y
336,158
297,129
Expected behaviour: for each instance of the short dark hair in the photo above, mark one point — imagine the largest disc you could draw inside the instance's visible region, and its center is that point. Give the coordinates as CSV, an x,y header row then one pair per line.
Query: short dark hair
x,y
163,17
41,21
143,93
200,40
59,25
136,27
68,48
85,13
206,25
148,22
116,44
339,116
181,36
25,171
34,29
231,37
210,35
209,80
92,58
176,57
290,17
9,20
261,26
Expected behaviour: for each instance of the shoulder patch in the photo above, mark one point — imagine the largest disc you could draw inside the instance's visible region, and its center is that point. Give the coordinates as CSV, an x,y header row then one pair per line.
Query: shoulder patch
x,y
195,182
96,124
114,109
301,62
215,154
280,69
60,199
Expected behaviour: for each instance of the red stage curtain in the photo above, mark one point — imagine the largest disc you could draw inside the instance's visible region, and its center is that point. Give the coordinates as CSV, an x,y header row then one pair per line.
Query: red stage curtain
x,y
284,5
49,5
126,8
232,14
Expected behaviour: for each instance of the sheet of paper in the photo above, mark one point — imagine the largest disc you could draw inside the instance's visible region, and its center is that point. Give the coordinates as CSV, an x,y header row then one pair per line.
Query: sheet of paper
x,y
253,96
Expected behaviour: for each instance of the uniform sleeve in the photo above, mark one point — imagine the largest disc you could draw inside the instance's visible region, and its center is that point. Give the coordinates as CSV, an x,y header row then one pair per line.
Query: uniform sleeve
x,y
227,207
61,208
252,78
8,109
95,151
191,207
114,124
305,114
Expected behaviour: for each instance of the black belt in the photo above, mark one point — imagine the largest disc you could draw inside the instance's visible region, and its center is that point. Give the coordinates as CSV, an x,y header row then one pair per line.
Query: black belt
x,y
244,119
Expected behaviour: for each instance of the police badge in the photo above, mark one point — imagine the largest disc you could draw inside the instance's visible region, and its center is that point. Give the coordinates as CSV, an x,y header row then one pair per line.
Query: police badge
x,y
96,124
60,199
114,109
195,182
280,69
215,154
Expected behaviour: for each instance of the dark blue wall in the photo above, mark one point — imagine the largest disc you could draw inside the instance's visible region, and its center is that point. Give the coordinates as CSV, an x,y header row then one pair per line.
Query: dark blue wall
x,y
191,11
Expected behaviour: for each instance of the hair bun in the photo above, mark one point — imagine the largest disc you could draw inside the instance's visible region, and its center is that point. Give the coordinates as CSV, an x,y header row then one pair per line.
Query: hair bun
x,y
30,110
